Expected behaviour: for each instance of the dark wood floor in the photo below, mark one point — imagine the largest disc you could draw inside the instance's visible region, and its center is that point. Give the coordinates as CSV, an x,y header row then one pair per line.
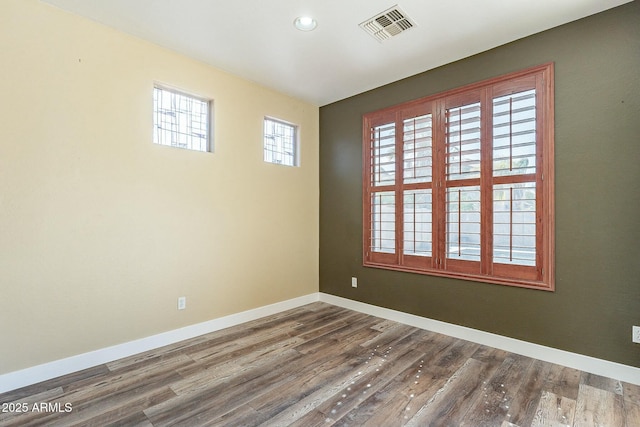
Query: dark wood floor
x,y
321,365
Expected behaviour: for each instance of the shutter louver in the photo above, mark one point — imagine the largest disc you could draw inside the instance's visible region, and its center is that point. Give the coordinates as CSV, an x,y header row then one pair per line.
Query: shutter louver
x,y
383,222
463,223
417,152
417,222
383,152
514,224
514,134
463,142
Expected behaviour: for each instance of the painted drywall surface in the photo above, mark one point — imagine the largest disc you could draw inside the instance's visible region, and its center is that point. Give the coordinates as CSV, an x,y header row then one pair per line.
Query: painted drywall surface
x,y
101,230
597,162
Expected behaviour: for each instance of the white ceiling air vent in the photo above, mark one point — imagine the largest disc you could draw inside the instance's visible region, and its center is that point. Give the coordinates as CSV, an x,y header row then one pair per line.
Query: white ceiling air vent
x,y
387,24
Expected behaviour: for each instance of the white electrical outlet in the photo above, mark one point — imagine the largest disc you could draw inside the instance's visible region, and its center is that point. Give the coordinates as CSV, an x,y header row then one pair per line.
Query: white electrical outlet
x,y
354,282
636,334
182,303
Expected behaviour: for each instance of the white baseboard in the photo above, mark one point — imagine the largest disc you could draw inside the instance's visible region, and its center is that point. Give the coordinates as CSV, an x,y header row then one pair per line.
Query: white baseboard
x,y
589,364
36,374
47,371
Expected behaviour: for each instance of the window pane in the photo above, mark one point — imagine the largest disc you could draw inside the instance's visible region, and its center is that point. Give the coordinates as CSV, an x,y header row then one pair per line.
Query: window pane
x,y
463,223
383,222
514,134
463,142
280,142
417,222
417,149
383,151
180,120
514,224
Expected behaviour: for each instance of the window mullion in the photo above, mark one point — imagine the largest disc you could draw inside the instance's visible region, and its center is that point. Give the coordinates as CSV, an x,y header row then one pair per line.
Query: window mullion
x,y
439,200
399,172
486,181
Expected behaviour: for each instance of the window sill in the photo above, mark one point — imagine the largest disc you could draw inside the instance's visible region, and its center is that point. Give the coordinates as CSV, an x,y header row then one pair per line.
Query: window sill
x,y
539,285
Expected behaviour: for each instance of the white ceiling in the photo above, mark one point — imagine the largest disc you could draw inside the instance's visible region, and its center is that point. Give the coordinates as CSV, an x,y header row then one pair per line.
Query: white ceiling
x,y
255,39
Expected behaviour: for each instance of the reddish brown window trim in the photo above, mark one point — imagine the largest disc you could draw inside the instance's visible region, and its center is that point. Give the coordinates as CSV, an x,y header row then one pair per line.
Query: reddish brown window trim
x,y
390,197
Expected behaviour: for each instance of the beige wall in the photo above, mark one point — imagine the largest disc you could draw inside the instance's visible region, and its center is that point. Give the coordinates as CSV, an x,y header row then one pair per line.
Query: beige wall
x,y
101,230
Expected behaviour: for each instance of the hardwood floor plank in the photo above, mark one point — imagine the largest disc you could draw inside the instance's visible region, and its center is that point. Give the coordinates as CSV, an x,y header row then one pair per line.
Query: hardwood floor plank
x,y
450,403
314,378
368,384
598,407
123,410
603,383
157,375
387,407
554,411
244,416
632,412
26,404
563,381
524,404
98,412
138,419
347,334
436,367
498,393
24,392
413,387
250,352
631,392
189,405
490,355
197,408
29,401
244,345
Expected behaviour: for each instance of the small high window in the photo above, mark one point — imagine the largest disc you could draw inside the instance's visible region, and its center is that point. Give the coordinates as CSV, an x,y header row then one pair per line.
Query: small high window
x,y
280,142
181,120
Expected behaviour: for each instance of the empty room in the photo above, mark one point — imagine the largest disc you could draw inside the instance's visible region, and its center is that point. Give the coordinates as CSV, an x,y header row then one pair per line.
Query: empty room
x,y
320,213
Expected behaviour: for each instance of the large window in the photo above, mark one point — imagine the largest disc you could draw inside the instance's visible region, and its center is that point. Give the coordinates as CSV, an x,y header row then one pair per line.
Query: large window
x,y
460,184
181,120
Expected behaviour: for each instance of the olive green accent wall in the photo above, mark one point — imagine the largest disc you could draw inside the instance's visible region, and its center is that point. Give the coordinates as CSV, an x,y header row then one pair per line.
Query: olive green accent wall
x,y
597,159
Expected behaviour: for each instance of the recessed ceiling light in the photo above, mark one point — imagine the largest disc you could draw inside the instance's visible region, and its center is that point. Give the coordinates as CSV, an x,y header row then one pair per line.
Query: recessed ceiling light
x,y
305,23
